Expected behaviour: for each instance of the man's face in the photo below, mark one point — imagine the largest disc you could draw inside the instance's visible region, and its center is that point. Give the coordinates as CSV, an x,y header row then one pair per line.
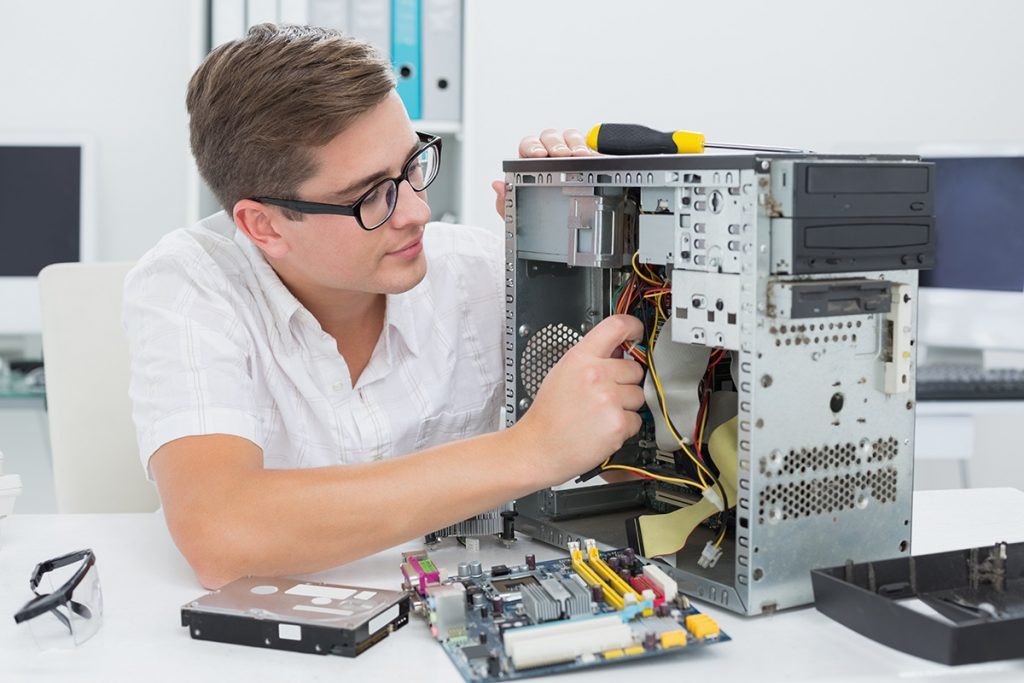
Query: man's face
x,y
334,252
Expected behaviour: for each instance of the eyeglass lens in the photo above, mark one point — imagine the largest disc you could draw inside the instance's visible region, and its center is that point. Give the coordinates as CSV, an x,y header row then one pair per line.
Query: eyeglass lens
x,y
378,205
73,622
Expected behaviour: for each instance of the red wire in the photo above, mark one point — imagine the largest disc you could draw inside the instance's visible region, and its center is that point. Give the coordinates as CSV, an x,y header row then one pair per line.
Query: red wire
x,y
716,357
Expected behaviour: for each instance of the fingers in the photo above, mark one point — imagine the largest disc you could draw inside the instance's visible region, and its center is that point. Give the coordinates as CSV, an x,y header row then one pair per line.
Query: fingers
x,y
604,339
626,371
577,142
631,397
632,423
531,147
554,142
499,201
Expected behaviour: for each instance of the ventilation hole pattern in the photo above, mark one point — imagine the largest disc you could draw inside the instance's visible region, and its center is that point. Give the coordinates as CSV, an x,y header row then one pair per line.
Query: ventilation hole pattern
x,y
803,460
544,349
884,449
816,333
807,497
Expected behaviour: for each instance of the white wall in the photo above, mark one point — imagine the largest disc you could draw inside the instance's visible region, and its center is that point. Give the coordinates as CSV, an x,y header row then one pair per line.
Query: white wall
x,y
116,69
870,75
834,76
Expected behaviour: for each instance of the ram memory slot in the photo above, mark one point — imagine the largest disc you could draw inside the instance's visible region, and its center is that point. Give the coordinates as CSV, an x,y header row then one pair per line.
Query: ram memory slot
x,y
592,579
603,570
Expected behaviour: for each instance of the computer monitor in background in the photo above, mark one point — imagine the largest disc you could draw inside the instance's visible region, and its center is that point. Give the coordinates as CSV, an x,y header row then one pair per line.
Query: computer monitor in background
x,y
973,301
47,215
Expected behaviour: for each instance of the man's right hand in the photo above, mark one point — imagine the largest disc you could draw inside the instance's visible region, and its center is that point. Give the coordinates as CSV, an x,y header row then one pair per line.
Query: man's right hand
x,y
586,407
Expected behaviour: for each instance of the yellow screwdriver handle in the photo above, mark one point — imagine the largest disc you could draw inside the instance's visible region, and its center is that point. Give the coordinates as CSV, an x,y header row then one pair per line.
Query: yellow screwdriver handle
x,y
629,138
688,142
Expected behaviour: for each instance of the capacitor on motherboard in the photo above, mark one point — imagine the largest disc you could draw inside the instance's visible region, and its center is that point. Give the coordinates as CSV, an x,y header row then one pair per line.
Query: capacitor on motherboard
x,y
625,574
531,562
613,562
630,556
475,568
663,610
493,665
650,641
463,570
478,599
597,592
497,605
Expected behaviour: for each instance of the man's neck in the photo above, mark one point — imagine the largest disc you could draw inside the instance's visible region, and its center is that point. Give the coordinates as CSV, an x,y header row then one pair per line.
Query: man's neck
x,y
345,314
355,320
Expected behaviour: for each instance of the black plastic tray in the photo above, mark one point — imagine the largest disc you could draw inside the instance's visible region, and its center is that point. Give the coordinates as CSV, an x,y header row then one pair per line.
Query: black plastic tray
x,y
979,593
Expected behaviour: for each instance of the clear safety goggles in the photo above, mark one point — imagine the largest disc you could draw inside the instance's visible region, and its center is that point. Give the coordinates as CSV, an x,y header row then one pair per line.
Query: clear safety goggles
x,y
67,608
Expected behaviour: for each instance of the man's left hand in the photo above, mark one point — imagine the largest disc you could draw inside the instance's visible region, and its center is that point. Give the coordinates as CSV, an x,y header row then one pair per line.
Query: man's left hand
x,y
550,143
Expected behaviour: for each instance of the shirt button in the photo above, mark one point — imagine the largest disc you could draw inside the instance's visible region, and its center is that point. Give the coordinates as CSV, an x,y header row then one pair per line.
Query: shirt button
x,y
338,386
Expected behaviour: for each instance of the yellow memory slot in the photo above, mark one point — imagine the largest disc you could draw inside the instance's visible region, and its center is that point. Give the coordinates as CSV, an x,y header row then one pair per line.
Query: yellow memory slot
x,y
592,579
602,569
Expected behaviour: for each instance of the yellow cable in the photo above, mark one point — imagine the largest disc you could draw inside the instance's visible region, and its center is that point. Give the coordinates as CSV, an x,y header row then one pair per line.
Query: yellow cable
x,y
645,278
652,475
701,469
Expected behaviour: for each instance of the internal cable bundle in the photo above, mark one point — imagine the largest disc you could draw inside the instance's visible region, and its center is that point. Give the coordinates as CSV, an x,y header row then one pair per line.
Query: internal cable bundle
x,y
648,296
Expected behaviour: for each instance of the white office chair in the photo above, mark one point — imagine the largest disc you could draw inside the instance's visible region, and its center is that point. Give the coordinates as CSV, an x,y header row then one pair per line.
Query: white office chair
x,y
95,455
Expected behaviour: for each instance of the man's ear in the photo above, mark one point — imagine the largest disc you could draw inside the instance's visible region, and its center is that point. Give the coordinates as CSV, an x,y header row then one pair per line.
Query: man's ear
x,y
257,221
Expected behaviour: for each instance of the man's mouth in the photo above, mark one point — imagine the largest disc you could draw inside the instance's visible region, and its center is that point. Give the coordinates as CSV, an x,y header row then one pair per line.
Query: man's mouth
x,y
408,249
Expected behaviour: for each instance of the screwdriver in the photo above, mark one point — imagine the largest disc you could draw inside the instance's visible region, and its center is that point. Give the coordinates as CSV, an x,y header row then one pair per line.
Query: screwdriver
x,y
630,138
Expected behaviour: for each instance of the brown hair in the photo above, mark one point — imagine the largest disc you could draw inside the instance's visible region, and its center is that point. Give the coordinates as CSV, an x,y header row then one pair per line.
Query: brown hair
x,y
260,105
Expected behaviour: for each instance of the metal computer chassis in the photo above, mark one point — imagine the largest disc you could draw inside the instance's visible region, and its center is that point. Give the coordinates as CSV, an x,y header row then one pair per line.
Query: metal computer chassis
x,y
805,267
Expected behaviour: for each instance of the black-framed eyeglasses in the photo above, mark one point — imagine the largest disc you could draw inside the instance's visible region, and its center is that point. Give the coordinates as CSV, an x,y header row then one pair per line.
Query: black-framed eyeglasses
x,y
375,207
76,605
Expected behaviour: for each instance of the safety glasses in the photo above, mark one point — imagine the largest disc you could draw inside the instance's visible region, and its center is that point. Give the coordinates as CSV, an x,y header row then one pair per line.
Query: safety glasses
x,y
72,610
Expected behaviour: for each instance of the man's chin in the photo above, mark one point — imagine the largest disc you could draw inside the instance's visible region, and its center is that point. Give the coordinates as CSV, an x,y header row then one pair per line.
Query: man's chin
x,y
404,281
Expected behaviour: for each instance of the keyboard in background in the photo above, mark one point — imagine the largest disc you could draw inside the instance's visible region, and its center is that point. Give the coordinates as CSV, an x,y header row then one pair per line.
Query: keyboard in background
x,y
969,383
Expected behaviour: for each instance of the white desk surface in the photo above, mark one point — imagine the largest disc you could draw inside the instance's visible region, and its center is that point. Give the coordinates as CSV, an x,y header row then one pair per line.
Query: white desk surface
x,y
145,581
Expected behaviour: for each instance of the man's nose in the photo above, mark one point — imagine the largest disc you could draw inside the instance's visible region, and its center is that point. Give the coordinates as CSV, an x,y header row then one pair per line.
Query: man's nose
x,y
411,207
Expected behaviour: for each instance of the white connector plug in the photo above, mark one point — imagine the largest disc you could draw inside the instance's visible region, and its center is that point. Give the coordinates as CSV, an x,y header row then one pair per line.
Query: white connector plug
x,y
709,556
712,497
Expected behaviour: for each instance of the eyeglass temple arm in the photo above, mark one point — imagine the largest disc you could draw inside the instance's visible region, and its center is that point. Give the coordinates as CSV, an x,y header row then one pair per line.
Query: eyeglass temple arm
x,y
58,562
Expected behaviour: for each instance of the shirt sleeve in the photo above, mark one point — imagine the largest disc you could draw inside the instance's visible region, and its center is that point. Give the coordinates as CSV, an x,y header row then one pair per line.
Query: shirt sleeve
x,y
190,358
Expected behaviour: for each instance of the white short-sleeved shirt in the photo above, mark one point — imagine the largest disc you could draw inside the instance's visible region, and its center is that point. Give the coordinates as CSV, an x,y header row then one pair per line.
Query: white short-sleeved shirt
x,y
220,346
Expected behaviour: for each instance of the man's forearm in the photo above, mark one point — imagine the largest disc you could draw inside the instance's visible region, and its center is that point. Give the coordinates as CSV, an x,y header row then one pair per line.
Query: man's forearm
x,y
275,522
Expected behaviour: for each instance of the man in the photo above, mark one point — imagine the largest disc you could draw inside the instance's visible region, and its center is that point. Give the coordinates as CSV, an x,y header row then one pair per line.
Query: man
x,y
287,352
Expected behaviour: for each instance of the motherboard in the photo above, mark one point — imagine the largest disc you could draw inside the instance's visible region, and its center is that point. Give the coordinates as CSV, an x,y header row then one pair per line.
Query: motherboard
x,y
593,608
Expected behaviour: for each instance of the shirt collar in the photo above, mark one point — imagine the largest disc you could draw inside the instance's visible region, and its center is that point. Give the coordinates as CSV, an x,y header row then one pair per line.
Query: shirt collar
x,y
405,314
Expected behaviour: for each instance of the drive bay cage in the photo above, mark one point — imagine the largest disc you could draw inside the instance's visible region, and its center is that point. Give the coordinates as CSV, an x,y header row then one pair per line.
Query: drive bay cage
x,y
779,298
